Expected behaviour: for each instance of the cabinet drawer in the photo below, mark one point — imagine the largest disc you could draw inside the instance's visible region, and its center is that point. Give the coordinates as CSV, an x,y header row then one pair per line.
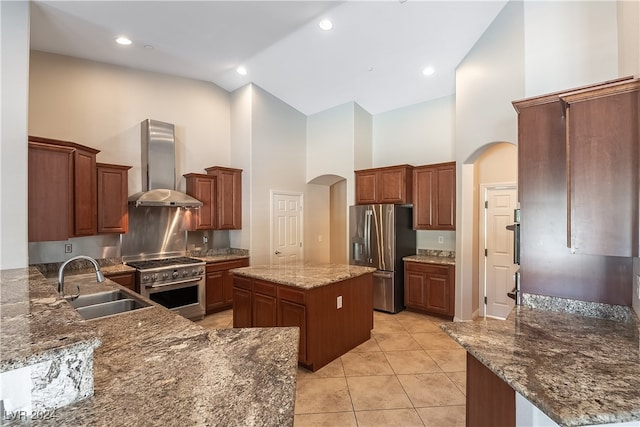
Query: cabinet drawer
x,y
227,265
439,269
292,295
242,282
265,288
124,279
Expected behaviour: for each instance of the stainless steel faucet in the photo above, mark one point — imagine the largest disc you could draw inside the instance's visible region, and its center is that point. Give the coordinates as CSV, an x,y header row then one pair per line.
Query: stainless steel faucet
x,y
99,275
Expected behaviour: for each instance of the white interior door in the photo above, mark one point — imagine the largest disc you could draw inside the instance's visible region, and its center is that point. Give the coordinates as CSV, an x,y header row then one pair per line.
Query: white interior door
x,y
499,266
286,231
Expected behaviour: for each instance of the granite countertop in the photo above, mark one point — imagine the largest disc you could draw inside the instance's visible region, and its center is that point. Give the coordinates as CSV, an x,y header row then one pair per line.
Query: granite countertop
x,y
220,255
431,259
35,324
303,275
578,370
154,367
221,258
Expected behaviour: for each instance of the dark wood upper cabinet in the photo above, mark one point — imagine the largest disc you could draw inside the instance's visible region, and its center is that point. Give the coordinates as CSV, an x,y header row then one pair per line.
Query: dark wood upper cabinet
x,y
391,184
85,194
603,142
70,195
434,197
50,192
547,265
113,187
203,188
228,198
81,199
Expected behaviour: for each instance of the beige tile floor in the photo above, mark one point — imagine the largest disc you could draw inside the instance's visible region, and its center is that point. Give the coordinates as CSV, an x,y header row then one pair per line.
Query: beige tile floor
x,y
409,373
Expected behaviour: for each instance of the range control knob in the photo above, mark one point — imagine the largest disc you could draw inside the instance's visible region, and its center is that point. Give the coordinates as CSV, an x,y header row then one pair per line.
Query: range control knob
x,y
185,272
154,276
194,272
145,278
175,274
165,276
201,271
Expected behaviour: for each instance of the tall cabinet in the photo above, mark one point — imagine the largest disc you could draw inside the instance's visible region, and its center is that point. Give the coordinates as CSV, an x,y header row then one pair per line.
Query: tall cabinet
x,y
229,197
113,186
574,180
203,188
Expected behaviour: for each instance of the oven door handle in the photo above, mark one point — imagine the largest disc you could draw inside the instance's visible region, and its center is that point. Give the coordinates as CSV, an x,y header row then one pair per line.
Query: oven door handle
x,y
179,282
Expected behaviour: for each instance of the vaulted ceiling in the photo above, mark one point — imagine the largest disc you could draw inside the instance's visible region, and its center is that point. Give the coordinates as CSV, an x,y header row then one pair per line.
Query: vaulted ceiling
x,y
374,54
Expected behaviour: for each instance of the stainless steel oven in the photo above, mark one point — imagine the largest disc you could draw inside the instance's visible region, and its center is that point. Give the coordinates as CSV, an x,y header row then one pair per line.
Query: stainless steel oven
x,y
176,283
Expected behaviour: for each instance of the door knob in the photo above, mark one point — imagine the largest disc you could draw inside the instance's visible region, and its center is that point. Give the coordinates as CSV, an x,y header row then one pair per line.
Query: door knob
x,y
278,252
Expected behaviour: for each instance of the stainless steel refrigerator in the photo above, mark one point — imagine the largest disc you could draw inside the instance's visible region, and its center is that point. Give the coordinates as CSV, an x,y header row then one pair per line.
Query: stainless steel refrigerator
x,y
380,235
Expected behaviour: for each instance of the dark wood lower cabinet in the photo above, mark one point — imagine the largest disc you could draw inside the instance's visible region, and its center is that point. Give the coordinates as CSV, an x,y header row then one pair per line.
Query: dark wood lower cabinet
x,y
219,284
125,279
326,331
430,288
490,401
294,314
242,303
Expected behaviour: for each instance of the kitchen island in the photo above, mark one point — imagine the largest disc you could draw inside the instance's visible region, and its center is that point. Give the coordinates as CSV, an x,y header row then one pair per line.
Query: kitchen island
x,y
576,370
150,366
332,304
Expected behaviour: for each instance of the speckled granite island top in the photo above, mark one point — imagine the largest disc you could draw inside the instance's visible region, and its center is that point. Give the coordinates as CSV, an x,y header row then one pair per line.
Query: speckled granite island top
x,y
578,370
154,367
303,275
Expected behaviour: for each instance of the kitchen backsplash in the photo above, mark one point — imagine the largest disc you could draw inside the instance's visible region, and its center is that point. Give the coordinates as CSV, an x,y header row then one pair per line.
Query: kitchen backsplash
x,y
437,253
438,240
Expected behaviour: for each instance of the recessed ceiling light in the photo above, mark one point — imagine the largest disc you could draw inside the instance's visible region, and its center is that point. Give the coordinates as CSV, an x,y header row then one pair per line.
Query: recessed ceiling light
x,y
123,41
427,71
241,70
325,25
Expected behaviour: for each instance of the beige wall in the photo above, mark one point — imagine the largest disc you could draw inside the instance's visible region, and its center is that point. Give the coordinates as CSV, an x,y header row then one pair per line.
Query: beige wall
x,y
419,134
487,80
339,223
278,153
241,158
498,164
14,19
102,106
629,37
569,44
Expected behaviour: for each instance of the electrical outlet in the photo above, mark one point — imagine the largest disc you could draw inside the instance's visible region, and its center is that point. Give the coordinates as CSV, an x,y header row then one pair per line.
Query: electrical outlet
x,y
441,239
339,302
68,248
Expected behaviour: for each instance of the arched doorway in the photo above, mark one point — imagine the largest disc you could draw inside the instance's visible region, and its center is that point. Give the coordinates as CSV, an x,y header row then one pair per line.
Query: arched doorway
x,y
492,164
327,240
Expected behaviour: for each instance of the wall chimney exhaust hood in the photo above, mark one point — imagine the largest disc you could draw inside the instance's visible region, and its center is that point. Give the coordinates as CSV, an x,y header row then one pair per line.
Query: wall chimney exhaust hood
x,y
158,169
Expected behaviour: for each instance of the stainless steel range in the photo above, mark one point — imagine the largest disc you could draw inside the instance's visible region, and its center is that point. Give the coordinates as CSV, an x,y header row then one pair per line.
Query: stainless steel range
x,y
177,283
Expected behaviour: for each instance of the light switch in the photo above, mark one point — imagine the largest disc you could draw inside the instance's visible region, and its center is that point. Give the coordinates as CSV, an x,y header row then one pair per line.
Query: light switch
x,y
339,302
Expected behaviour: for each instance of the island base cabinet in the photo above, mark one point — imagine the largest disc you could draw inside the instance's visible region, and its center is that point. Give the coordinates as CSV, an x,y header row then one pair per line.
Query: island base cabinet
x,y
490,401
292,314
328,329
242,302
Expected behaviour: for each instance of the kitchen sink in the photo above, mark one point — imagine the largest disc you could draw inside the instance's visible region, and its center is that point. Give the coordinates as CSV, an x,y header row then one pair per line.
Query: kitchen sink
x,y
102,304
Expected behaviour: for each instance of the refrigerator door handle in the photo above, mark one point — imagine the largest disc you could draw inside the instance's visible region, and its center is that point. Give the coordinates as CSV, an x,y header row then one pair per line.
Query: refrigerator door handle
x,y
367,235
